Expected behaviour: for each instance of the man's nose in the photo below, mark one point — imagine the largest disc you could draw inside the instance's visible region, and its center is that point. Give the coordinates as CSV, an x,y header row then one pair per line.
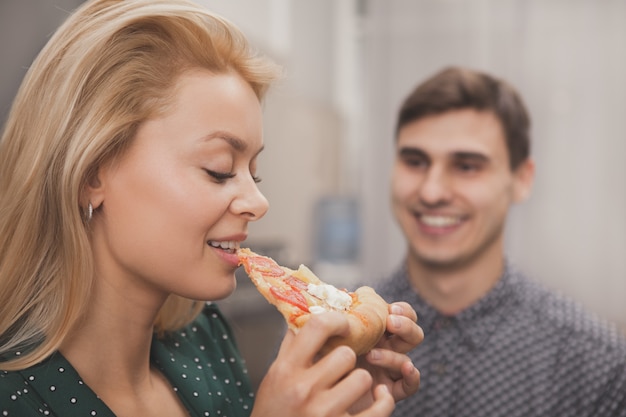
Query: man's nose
x,y
436,187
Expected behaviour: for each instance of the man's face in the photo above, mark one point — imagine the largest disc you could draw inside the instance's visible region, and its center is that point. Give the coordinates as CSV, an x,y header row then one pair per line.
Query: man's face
x,y
452,187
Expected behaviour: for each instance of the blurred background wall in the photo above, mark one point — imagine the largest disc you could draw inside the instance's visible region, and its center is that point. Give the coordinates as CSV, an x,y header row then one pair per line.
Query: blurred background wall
x,y
329,122
349,64
568,59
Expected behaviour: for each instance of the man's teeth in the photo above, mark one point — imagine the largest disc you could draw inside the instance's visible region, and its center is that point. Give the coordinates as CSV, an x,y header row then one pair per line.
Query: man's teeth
x,y
228,245
440,221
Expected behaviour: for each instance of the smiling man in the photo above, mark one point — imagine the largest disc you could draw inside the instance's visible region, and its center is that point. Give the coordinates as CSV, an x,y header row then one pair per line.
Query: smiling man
x,y
496,343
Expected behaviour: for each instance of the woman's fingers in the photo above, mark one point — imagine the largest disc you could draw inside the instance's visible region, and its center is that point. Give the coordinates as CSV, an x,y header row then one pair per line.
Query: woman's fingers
x,y
334,366
304,347
403,379
403,334
301,383
410,381
383,405
403,308
348,391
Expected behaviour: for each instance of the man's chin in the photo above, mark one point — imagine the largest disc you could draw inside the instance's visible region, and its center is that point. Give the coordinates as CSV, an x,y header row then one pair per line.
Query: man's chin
x,y
441,262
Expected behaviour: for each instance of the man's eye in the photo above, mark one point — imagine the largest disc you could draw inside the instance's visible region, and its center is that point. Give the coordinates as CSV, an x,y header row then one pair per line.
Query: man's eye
x,y
468,167
414,162
220,176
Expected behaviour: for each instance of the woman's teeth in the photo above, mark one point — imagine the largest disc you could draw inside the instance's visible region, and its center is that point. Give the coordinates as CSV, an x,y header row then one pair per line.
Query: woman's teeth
x,y
440,221
229,246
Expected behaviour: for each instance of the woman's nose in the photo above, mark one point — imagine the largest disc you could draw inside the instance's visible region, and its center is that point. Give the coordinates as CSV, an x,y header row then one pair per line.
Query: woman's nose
x,y
251,202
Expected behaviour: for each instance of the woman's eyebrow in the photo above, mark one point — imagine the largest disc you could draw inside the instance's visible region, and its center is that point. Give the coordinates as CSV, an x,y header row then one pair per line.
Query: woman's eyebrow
x,y
237,143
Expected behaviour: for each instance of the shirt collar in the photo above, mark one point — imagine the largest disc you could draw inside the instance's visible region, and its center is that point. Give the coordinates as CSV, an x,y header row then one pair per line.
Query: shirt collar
x,y
61,388
477,322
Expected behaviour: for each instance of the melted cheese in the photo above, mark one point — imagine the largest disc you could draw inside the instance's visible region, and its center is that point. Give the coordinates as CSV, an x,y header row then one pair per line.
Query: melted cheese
x,y
335,298
317,310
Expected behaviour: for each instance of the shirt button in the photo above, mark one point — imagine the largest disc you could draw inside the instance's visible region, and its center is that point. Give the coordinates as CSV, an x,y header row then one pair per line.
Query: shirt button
x,y
443,323
439,368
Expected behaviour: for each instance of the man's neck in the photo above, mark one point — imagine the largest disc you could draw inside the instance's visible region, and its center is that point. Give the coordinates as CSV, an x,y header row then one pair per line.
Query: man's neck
x,y
454,288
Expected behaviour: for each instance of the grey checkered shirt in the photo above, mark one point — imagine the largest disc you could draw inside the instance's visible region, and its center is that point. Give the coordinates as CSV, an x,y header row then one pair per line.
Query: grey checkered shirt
x,y
520,351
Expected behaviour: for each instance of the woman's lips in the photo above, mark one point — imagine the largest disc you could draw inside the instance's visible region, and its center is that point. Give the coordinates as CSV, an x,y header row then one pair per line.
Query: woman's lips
x,y
227,245
226,250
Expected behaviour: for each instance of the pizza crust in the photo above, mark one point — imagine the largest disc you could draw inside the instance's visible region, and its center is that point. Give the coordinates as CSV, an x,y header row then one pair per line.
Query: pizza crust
x,y
367,316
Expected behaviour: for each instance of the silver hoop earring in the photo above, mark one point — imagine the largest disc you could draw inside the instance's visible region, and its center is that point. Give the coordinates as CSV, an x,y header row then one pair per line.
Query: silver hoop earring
x,y
89,212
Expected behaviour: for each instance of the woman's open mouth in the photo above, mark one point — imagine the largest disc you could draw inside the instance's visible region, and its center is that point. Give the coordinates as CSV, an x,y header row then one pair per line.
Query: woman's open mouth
x,y
228,246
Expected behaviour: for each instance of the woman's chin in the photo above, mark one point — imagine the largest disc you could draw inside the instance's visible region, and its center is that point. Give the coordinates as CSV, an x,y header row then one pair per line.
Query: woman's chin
x,y
219,292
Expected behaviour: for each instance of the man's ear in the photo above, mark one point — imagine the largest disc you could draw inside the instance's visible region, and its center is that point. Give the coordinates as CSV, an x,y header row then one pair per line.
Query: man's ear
x,y
523,178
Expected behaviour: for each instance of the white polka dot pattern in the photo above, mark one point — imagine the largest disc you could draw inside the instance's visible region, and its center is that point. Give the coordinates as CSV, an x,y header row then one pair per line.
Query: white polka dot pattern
x,y
201,362
521,351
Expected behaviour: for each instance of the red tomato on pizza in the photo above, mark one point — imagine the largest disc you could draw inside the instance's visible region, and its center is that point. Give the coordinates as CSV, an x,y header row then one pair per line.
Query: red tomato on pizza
x,y
299,294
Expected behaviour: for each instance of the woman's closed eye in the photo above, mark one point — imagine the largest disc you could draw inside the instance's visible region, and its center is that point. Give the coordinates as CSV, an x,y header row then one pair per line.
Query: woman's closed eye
x,y
220,177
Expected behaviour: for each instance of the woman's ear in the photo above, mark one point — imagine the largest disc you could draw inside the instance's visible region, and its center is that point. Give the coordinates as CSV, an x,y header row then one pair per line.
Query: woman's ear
x,y
524,176
93,192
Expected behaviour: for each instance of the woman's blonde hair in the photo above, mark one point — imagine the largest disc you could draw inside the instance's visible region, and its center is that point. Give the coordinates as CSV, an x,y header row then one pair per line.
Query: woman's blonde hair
x,y
110,66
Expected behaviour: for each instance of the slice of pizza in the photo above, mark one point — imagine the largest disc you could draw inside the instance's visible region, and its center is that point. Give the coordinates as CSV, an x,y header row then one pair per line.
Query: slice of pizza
x,y
298,294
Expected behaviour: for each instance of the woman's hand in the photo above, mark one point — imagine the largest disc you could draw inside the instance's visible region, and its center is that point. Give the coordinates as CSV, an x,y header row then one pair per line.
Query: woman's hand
x,y
388,363
297,384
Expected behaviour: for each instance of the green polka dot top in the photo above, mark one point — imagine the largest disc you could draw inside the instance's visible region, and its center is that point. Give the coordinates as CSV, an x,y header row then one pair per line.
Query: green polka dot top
x,y
201,362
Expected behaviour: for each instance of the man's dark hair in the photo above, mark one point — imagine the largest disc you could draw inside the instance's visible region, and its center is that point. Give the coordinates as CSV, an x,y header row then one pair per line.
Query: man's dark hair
x,y
456,88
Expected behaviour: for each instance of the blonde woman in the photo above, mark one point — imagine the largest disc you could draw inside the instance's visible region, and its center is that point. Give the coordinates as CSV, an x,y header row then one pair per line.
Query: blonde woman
x,y
127,175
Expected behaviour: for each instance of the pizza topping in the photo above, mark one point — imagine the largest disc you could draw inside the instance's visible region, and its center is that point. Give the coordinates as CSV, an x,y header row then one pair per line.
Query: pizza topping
x,y
265,265
317,310
292,297
335,298
296,283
